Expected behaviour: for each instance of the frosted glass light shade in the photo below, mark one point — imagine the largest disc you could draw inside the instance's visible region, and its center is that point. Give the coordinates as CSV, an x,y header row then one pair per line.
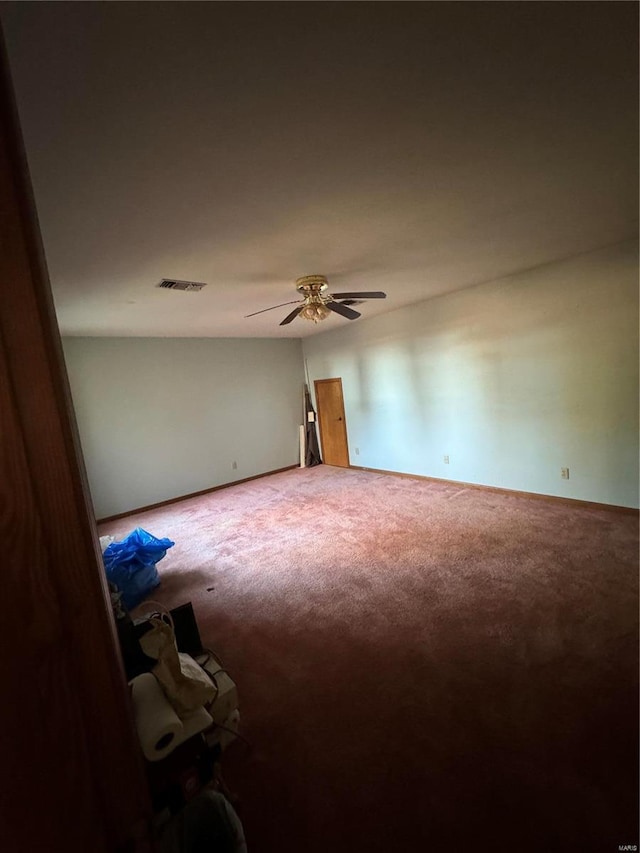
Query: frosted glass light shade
x,y
315,312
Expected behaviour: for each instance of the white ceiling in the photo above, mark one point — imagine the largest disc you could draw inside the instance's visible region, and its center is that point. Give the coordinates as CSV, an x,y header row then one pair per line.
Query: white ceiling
x,y
415,148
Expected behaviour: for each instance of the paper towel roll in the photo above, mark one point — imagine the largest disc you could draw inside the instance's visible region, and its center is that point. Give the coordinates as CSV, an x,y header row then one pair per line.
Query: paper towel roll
x,y
159,727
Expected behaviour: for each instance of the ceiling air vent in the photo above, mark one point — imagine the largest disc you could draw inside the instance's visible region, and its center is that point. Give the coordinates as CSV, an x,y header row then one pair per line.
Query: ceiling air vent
x,y
177,284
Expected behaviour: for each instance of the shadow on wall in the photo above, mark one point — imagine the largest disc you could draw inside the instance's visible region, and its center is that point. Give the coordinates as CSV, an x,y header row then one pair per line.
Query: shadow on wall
x,y
515,379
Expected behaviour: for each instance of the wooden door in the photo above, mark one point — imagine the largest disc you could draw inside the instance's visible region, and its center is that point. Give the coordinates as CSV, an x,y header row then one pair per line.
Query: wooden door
x,y
72,777
332,423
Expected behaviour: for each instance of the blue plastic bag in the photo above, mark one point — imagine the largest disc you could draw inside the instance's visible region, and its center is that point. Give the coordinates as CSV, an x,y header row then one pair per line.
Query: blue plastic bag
x,y
131,564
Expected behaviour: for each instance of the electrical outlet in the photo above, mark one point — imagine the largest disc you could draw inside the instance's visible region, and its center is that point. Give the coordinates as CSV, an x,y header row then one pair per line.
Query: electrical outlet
x,y
564,473
234,465
446,460
357,451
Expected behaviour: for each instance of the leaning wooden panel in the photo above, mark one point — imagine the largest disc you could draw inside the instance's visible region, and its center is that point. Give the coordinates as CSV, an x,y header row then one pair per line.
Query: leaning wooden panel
x,y
71,773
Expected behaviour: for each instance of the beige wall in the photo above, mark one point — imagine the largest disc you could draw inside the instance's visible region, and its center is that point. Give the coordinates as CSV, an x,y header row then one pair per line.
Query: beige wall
x,y
512,379
163,417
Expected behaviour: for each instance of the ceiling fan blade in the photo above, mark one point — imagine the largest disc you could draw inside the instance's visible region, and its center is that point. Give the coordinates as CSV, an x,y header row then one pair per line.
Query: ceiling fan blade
x,y
339,308
293,315
376,294
272,307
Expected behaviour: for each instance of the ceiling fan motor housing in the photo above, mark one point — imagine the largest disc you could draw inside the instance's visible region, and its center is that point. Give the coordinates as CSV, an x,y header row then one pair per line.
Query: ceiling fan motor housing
x,y
312,285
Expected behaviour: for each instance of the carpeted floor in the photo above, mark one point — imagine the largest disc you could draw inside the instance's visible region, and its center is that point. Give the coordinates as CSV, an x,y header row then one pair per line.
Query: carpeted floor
x,y
422,667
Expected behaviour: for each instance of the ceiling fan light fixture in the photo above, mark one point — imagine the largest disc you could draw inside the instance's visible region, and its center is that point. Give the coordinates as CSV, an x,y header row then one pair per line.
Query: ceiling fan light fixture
x,y
317,303
315,311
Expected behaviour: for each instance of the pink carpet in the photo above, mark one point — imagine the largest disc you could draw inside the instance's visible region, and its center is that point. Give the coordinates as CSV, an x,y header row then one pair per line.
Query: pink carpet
x,y
422,667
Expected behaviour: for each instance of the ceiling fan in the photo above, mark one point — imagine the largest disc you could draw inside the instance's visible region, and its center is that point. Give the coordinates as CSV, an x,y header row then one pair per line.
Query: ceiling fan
x,y
317,303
